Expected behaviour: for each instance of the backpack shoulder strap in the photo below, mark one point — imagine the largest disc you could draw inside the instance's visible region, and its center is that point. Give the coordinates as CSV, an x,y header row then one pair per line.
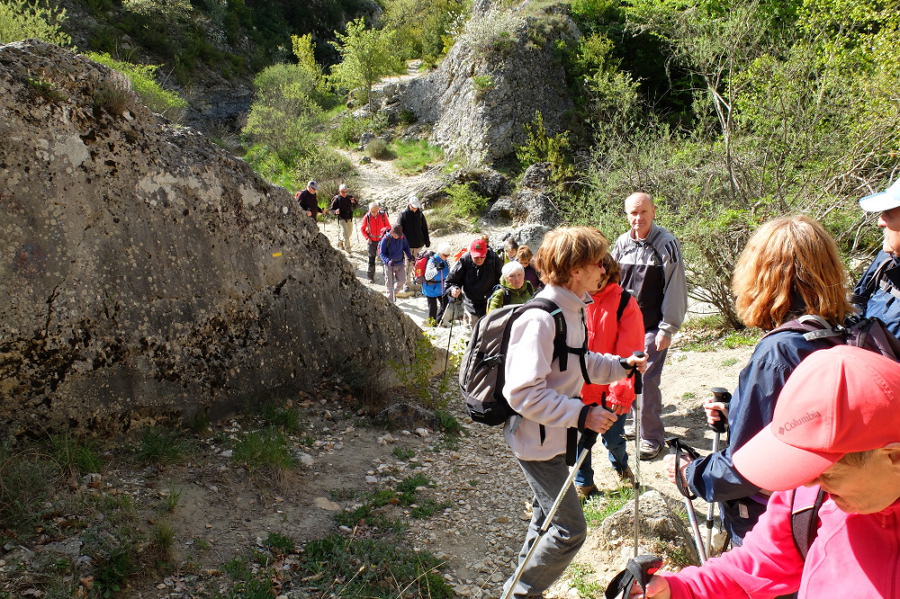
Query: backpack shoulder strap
x,y
561,349
623,302
813,327
805,504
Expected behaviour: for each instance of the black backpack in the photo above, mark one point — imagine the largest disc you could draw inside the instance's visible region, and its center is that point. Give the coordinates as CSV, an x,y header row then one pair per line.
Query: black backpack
x,y
482,372
867,333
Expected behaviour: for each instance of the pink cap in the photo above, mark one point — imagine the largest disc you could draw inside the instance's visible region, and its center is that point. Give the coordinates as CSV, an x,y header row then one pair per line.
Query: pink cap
x,y
838,401
478,248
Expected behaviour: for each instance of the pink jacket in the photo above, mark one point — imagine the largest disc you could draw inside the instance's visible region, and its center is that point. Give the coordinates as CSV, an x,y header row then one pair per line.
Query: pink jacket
x,y
854,555
606,336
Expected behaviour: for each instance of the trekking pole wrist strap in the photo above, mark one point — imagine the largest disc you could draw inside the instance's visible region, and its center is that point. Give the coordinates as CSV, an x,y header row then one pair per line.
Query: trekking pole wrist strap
x,y
582,416
623,362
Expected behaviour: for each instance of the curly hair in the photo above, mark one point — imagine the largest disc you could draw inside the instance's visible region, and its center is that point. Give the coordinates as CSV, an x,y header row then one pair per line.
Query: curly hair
x,y
790,267
567,248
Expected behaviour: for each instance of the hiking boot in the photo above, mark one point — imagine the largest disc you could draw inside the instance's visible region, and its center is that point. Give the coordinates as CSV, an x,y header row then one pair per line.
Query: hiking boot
x,y
586,492
403,293
650,449
626,477
628,433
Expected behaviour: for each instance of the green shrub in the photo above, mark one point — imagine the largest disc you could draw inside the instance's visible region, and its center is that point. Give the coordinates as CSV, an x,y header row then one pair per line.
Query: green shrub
x,y
482,84
466,202
350,128
541,147
111,97
143,82
75,456
26,480
265,452
378,149
414,156
21,19
390,569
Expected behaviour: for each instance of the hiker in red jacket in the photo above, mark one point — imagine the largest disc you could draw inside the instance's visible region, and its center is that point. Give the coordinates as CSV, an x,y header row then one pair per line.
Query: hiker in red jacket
x,y
615,326
836,427
374,224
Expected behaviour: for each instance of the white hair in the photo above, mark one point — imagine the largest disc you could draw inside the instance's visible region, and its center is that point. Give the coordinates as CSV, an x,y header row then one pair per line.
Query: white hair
x,y
342,187
511,268
372,205
444,249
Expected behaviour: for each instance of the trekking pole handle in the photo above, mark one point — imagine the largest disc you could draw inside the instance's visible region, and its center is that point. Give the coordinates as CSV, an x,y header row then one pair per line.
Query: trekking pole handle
x,y
723,396
638,377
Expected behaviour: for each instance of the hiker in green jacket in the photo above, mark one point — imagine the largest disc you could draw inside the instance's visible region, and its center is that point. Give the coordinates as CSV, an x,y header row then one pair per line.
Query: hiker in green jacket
x,y
513,288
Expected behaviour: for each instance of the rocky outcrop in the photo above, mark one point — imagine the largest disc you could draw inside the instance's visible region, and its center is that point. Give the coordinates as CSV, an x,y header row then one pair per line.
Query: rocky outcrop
x,y
501,71
148,274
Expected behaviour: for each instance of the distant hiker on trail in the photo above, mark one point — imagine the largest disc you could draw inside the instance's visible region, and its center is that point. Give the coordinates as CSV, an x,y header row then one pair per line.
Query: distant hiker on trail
x,y
392,250
435,286
615,326
837,430
342,206
878,292
513,288
545,398
653,272
474,275
789,268
374,224
525,257
308,201
415,229
510,249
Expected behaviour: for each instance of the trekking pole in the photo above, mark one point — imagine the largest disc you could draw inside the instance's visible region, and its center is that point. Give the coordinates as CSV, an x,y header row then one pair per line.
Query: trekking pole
x,y
638,400
723,396
450,338
676,447
588,438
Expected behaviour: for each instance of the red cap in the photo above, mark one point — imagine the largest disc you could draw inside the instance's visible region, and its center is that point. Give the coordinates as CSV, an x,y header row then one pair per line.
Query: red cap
x,y
478,248
838,401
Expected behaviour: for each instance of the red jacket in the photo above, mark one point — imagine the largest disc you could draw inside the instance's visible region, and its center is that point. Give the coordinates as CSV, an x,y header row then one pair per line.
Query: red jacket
x,y
606,336
854,555
373,226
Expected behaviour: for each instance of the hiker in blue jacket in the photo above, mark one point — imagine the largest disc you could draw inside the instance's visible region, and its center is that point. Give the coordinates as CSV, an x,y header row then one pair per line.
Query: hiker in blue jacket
x,y
435,287
392,249
810,280
877,295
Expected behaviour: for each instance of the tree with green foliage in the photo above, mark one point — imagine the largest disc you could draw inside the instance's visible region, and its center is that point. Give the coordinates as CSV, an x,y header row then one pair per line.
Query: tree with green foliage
x,y
21,19
795,111
284,115
424,28
366,56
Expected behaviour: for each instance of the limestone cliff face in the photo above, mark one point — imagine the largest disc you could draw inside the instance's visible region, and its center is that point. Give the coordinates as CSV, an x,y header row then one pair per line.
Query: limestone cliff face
x,y
146,273
502,70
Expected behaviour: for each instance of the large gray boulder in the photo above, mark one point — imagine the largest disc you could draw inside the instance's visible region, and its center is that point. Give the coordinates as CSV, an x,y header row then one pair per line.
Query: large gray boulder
x,y
501,71
148,274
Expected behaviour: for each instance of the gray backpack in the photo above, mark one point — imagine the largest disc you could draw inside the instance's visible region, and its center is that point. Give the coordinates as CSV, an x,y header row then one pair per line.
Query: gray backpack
x,y
482,372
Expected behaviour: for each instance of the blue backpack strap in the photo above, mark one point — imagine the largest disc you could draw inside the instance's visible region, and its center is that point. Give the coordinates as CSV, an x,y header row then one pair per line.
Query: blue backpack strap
x,y
805,504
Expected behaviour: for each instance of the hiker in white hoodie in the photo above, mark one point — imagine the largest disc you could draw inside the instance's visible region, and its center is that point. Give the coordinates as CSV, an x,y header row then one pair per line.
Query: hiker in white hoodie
x,y
545,397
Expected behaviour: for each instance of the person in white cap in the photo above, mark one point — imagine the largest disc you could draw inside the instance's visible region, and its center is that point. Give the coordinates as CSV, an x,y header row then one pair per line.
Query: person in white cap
x,y
308,201
834,436
877,294
415,229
